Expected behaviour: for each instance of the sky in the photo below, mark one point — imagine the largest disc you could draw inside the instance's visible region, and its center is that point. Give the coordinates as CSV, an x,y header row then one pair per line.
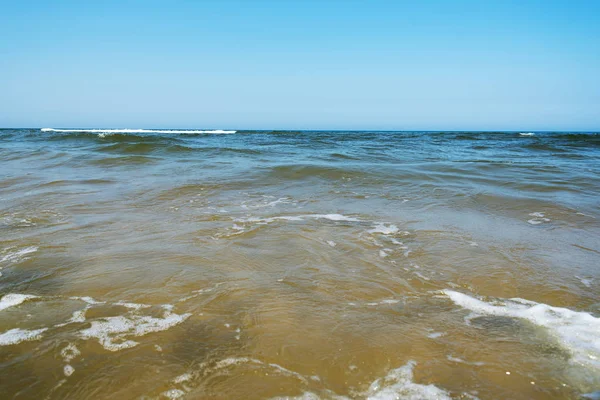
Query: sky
x,y
328,64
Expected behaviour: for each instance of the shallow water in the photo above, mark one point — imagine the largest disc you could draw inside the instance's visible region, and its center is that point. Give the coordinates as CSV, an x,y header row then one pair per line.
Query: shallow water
x,y
257,265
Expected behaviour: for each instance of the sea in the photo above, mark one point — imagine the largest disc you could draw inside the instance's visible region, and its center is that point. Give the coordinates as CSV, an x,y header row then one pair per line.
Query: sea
x,y
222,264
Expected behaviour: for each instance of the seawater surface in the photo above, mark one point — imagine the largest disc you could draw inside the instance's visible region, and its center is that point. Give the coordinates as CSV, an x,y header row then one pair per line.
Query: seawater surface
x,y
199,264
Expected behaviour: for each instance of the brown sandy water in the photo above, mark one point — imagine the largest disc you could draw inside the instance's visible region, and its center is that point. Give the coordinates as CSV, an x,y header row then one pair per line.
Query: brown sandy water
x,y
309,265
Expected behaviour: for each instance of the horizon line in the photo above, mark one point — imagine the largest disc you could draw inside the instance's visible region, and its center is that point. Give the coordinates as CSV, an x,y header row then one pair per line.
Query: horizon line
x,y
323,130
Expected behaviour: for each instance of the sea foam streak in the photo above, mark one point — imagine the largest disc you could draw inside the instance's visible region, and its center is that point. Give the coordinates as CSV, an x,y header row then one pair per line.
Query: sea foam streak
x,y
9,255
112,332
397,384
110,131
331,217
578,332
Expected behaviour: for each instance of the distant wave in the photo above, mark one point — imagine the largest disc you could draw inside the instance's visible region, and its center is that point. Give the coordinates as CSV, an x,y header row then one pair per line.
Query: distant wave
x,y
527,134
111,131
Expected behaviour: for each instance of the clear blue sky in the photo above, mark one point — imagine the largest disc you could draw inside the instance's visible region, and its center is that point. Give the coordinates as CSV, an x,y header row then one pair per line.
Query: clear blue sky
x,y
515,65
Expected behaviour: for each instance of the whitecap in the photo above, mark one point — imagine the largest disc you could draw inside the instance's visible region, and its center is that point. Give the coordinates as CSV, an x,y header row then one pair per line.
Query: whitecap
x,y
18,335
183,378
173,393
78,316
14,299
578,332
68,370
527,134
383,228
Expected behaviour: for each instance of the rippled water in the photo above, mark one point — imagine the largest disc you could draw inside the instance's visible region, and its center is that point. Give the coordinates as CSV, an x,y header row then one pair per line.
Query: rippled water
x,y
257,265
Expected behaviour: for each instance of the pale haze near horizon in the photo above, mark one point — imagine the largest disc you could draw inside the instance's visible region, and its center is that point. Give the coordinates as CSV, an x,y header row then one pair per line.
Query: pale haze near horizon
x,y
379,65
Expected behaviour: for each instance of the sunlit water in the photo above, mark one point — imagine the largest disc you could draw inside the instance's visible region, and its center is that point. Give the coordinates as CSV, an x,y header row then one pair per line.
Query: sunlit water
x,y
333,265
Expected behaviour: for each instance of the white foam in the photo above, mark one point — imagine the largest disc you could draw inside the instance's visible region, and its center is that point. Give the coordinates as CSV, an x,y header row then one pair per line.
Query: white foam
x,y
271,219
14,299
335,217
69,353
398,384
539,218
383,228
18,335
173,394
331,217
112,332
272,203
304,396
88,300
331,243
461,361
420,275
587,282
275,202
78,316
578,332
379,303
527,134
133,306
435,335
183,378
13,256
68,370
112,131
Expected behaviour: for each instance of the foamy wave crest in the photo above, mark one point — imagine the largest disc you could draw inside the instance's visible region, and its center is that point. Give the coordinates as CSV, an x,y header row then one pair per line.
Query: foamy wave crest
x,y
14,299
18,335
385,229
527,134
112,131
577,332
